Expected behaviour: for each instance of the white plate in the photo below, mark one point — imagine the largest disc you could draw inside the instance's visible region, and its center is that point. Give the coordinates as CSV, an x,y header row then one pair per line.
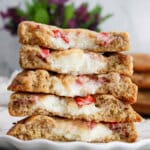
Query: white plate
x,y
13,143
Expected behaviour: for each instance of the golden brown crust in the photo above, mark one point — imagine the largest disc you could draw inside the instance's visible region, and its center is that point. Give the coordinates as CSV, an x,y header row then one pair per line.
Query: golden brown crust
x,y
142,80
32,57
107,108
41,81
39,127
141,62
39,34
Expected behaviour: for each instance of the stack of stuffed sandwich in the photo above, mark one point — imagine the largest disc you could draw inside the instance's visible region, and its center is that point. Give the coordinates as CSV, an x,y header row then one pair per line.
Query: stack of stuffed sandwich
x,y
75,86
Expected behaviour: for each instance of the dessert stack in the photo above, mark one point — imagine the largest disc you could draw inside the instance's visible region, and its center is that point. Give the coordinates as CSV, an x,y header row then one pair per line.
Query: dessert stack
x,y
141,77
75,86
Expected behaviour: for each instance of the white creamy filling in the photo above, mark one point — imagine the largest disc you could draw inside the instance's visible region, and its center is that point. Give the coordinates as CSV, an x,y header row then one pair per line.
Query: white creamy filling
x,y
59,105
76,90
59,43
53,104
59,88
86,109
81,41
78,63
99,132
89,87
68,63
92,65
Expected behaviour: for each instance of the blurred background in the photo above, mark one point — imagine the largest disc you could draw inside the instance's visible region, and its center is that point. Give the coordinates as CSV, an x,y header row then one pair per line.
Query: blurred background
x,y
130,15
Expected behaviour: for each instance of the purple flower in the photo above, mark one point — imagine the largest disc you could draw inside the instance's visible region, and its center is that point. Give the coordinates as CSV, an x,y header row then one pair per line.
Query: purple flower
x,y
81,18
95,23
11,12
82,10
82,15
13,19
72,23
58,2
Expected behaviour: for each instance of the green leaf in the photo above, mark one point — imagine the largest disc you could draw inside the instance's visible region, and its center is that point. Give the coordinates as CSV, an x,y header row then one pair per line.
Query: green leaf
x,y
106,17
98,30
32,8
96,10
42,16
20,12
29,10
68,12
53,7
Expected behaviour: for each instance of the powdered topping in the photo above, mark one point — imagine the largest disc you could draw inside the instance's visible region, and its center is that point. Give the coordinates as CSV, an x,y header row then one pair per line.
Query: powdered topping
x,y
85,100
45,53
91,124
59,34
104,38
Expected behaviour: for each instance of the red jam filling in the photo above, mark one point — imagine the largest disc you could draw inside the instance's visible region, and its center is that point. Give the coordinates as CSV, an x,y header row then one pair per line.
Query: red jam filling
x,y
45,53
85,100
104,80
104,38
59,34
91,124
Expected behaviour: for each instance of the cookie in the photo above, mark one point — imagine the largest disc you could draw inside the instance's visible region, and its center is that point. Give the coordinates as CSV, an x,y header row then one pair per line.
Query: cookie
x,y
60,129
42,81
74,61
142,80
95,108
141,62
143,102
63,39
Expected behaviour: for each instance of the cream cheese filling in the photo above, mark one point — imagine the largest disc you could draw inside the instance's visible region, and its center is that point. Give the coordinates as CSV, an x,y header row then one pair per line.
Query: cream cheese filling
x,y
80,40
77,62
74,89
59,105
99,132
59,43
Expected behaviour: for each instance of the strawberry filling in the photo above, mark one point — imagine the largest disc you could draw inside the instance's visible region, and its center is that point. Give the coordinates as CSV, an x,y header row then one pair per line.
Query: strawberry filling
x,y
15,85
91,124
37,27
45,53
104,38
103,80
79,82
85,100
59,34
118,128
